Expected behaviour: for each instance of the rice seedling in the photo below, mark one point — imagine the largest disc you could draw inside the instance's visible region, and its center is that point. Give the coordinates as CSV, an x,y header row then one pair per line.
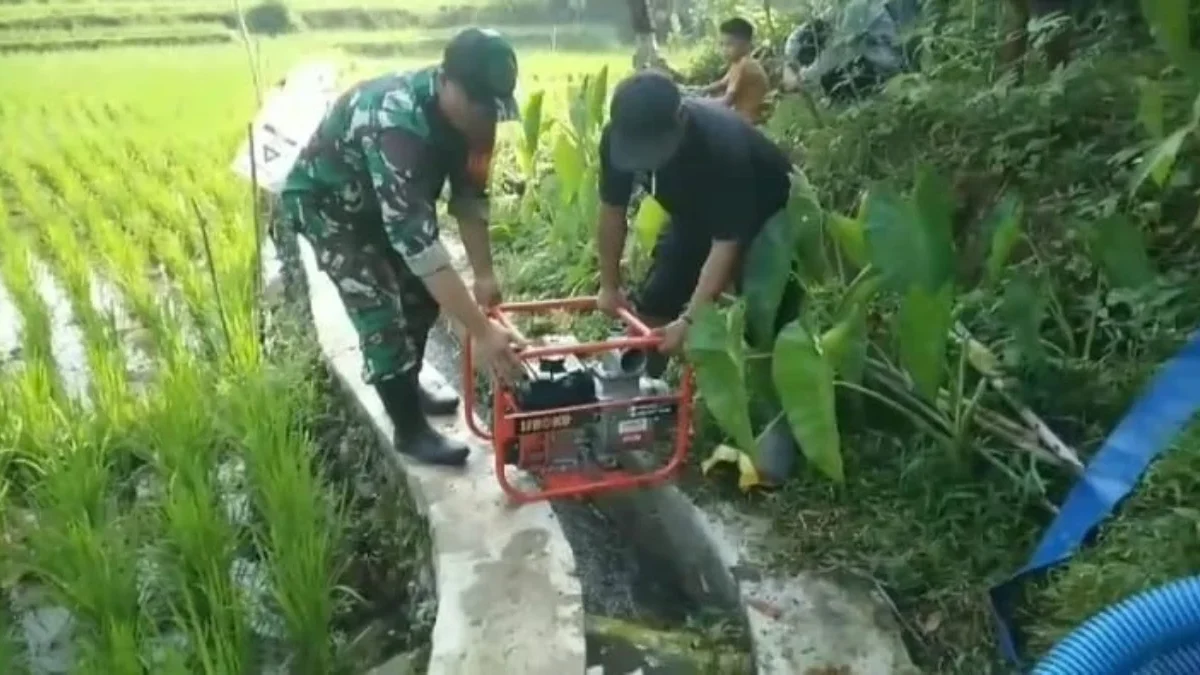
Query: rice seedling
x,y
83,548
299,526
200,542
51,205
115,254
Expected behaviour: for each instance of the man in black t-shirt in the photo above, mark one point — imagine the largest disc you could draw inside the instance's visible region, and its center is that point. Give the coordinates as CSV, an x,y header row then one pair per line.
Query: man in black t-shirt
x,y
718,177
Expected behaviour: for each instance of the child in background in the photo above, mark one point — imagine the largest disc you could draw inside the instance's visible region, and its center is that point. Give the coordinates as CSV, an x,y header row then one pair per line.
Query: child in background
x,y
744,86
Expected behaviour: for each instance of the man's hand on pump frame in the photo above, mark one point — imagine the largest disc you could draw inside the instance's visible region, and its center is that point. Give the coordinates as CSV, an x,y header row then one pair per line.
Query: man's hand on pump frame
x,y
611,300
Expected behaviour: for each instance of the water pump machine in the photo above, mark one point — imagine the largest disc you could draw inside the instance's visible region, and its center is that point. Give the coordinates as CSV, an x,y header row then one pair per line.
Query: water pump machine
x,y
588,418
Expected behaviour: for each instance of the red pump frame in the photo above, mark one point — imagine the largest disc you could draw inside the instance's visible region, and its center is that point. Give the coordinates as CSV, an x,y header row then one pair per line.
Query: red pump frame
x,y
561,485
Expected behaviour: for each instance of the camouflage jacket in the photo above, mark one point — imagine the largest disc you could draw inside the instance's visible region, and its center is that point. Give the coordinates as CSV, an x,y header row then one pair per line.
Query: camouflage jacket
x,y
377,164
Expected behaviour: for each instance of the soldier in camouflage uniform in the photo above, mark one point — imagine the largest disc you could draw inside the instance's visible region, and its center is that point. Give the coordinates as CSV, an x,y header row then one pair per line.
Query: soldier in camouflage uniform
x,y
364,192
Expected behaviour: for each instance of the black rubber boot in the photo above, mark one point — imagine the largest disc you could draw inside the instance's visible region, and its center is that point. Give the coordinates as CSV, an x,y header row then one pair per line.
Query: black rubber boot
x,y
414,436
437,403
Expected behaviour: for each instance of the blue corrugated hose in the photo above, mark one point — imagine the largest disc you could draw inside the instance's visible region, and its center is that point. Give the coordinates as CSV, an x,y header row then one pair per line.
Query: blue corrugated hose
x,y
1156,632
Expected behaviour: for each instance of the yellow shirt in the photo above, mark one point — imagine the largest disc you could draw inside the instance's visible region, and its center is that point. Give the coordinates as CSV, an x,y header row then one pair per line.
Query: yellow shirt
x,y
747,86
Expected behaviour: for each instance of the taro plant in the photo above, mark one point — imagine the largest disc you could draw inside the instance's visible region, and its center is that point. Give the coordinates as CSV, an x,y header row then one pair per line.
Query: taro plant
x,y
559,158
894,335
532,126
575,159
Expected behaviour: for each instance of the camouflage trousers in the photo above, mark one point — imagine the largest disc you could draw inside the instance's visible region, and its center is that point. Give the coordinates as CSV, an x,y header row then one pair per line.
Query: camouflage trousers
x,y
391,309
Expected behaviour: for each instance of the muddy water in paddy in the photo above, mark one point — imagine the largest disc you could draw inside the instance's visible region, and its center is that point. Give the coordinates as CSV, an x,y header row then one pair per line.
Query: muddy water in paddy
x,y
66,339
10,330
106,298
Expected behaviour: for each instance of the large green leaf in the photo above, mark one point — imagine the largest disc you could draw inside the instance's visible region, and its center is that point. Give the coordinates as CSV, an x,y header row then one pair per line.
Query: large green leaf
x,y
735,327
1150,107
1004,226
889,227
1023,308
809,249
577,107
768,266
925,320
1158,162
845,345
934,205
1168,21
597,97
568,166
649,221
714,349
861,291
531,120
850,236
1118,247
804,379
589,193
908,241
801,186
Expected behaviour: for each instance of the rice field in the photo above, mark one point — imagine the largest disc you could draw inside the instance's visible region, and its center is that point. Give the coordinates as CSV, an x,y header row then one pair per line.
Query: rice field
x,y
179,495
162,499
87,24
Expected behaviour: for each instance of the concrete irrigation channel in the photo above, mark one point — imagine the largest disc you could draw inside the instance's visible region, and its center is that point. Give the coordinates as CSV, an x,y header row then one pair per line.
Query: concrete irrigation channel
x,y
639,582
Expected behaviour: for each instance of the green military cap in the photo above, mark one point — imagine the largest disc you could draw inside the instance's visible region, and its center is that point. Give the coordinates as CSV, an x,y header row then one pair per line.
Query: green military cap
x,y
485,64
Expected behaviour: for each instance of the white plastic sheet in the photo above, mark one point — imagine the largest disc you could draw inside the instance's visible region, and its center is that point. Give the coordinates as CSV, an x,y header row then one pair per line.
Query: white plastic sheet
x,y
289,116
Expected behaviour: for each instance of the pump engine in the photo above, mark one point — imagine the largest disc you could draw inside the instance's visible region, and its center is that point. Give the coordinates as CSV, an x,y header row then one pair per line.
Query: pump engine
x,y
588,418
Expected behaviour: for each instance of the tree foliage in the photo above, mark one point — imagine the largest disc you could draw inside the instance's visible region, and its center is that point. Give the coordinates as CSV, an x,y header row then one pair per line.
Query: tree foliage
x,y
272,17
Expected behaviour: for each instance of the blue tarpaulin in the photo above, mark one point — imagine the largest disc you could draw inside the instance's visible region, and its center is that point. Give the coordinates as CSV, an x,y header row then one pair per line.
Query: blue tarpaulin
x,y
1149,427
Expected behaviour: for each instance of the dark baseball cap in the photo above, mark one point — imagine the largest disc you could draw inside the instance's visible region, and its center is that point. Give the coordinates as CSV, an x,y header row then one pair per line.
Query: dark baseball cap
x,y
485,65
645,125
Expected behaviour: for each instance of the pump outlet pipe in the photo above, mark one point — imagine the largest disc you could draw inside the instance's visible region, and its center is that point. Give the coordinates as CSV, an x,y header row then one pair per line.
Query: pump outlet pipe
x,y
1156,632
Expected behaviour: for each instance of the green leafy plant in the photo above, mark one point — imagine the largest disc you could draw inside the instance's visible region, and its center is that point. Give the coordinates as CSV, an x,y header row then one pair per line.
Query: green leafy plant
x,y
903,248
559,158
718,351
272,17
1169,22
